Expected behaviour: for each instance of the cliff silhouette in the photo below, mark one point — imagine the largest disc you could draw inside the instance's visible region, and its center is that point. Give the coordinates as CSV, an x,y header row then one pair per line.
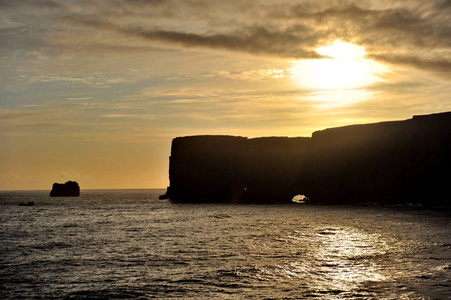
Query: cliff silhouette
x,y
68,189
390,162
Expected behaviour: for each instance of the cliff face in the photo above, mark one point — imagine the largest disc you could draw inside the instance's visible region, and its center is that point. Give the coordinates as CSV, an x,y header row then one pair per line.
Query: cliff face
x,y
389,162
226,168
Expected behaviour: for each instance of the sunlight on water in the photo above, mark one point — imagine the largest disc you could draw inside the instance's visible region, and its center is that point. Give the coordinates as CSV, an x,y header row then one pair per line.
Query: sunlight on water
x,y
347,258
300,199
339,259
130,245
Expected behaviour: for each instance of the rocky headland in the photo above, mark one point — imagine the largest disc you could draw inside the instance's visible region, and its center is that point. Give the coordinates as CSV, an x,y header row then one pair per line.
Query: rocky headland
x,y
390,162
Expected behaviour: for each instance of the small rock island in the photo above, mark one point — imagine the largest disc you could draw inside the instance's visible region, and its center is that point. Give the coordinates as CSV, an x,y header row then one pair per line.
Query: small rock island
x,y
68,189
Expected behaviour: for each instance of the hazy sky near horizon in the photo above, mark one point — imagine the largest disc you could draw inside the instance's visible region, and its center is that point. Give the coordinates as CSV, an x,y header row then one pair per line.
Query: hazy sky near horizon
x,y
94,91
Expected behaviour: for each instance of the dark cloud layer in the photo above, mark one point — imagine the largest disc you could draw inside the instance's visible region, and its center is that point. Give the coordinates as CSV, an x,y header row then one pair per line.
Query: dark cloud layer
x,y
256,40
442,67
416,33
401,25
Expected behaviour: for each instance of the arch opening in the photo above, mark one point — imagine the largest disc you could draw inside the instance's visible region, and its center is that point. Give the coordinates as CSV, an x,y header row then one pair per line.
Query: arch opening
x,y
300,199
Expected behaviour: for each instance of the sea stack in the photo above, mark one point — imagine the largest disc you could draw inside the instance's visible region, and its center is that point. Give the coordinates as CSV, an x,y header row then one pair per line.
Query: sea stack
x,y
68,189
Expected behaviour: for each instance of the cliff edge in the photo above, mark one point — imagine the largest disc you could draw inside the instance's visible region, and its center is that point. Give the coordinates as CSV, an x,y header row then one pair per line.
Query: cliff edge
x,y
390,162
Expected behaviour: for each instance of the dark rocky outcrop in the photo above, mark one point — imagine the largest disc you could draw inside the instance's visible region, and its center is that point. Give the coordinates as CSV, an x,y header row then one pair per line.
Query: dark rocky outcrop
x,y
166,195
388,162
68,189
29,203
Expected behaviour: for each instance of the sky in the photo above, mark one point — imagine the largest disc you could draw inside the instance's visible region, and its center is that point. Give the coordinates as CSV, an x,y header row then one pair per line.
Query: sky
x,y
95,91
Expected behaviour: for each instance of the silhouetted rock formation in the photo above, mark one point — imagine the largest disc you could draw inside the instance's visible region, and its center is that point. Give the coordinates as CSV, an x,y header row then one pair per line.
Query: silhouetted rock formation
x,y
388,162
166,195
68,189
30,203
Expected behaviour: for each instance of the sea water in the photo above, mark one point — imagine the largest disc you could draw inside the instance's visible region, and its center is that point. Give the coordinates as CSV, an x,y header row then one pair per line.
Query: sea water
x,y
127,244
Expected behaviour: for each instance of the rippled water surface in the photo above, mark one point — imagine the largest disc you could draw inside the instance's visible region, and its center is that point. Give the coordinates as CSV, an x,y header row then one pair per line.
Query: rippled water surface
x,y
126,244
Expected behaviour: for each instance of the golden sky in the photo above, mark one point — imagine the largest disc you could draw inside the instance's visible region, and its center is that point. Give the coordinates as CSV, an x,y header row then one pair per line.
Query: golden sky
x,y
94,91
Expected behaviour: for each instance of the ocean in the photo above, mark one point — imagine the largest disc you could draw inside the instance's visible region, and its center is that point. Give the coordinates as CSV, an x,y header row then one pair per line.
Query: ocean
x,y
127,244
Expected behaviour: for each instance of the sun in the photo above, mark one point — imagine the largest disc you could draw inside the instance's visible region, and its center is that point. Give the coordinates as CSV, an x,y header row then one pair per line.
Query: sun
x,y
343,67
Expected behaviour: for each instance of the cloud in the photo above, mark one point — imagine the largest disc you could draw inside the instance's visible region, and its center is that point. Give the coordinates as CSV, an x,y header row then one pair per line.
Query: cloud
x,y
97,80
260,74
45,4
78,99
255,40
42,124
442,67
410,32
130,116
398,33
26,122
6,114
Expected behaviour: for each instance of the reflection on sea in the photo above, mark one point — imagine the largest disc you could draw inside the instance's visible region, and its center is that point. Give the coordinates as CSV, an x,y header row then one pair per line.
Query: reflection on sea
x,y
130,245
339,259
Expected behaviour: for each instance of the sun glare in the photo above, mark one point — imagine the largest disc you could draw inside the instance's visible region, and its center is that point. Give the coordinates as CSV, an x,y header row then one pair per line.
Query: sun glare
x,y
343,67
342,50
